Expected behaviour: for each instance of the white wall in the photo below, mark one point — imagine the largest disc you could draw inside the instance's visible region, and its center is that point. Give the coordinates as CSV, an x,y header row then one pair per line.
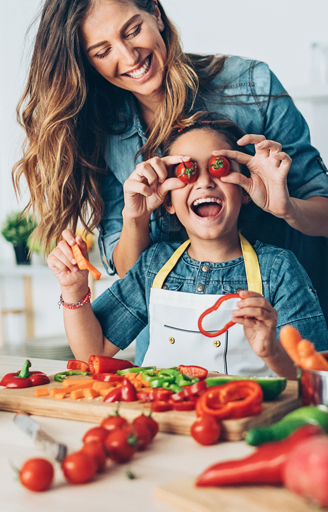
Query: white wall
x,y
278,32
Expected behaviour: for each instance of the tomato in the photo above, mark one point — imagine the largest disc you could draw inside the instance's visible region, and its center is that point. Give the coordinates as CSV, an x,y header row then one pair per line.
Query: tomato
x,y
121,445
143,433
205,430
187,172
218,166
97,450
79,467
149,421
113,423
95,434
37,474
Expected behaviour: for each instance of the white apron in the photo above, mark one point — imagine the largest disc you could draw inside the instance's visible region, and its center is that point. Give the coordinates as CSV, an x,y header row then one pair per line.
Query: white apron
x,y
174,335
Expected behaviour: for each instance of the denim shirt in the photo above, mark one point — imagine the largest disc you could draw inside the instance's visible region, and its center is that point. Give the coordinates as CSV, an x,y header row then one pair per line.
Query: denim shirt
x,y
253,84
123,309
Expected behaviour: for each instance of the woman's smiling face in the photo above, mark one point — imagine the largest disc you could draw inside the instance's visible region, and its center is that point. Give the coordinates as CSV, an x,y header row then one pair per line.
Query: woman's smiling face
x,y
207,208
124,44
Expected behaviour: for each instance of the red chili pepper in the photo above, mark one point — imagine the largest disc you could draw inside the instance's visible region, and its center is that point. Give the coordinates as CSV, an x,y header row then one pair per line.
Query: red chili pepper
x,y
104,364
24,378
114,396
108,377
193,371
235,399
210,310
265,466
128,391
75,364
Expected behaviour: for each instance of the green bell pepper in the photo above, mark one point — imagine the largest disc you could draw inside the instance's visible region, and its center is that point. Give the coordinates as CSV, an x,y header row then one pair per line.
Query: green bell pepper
x,y
135,369
59,377
271,386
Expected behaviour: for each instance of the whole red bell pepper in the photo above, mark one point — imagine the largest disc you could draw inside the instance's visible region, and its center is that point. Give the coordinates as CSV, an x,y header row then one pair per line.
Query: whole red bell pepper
x,y
264,466
75,364
236,399
193,371
104,364
24,378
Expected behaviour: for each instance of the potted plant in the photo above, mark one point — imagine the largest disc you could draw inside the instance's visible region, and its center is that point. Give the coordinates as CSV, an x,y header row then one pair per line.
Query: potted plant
x,y
17,229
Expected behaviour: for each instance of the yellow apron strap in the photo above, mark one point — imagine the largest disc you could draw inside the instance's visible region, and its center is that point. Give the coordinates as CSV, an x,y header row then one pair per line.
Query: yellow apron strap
x,y
166,269
253,272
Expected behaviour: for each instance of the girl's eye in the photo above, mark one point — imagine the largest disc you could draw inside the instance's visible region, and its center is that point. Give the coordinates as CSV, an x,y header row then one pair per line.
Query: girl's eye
x,y
135,32
102,55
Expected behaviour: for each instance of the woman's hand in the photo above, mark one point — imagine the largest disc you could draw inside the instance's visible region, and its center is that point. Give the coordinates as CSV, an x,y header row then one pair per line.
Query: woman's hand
x,y
63,265
147,186
259,320
267,185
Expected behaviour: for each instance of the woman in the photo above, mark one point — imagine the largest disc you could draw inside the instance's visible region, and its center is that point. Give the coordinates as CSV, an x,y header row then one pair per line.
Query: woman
x,y
107,81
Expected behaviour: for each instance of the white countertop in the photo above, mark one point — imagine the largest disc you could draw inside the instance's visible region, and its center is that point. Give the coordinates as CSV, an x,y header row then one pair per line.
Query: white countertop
x,y
168,458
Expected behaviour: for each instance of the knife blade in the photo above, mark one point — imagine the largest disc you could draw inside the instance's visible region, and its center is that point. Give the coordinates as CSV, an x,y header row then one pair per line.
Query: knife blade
x,y
41,439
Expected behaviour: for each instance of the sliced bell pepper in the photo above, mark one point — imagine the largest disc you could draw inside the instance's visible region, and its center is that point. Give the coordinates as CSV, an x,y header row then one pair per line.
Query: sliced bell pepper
x,y
59,377
271,386
264,466
108,377
161,406
114,396
128,391
136,369
193,371
210,310
24,378
187,405
236,399
75,364
104,364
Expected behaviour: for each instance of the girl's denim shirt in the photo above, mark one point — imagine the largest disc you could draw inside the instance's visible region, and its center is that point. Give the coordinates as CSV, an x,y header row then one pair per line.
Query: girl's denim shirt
x,y
123,309
265,109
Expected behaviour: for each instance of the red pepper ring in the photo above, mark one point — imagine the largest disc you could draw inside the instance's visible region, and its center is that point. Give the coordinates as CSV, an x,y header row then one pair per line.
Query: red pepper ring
x,y
214,308
236,399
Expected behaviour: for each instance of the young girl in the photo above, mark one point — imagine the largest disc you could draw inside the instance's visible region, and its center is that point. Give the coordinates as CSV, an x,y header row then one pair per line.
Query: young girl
x,y
171,285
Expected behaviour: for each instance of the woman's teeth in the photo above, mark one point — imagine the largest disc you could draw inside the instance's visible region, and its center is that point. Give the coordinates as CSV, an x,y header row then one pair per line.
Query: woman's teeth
x,y
141,71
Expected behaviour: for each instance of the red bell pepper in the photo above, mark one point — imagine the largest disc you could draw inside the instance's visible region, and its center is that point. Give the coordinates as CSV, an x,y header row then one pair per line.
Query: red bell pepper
x,y
24,378
235,399
210,310
75,364
114,395
128,391
193,371
104,364
160,406
108,377
264,466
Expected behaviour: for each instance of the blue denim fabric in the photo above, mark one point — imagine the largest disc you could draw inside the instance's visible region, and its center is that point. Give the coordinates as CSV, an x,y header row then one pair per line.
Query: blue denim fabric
x,y
275,117
123,309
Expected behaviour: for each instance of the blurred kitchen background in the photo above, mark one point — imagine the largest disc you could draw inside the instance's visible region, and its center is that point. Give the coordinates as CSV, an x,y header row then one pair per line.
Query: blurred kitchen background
x,y
290,35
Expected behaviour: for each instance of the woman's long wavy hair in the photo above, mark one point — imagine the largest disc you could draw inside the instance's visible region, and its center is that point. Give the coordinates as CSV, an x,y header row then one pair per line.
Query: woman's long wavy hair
x,y
67,109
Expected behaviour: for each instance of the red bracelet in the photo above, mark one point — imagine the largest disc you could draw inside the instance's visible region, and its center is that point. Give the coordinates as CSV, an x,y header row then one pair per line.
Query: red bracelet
x,y
77,305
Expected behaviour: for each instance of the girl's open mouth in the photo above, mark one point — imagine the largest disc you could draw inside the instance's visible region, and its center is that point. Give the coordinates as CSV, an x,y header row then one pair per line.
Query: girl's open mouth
x,y
207,207
142,70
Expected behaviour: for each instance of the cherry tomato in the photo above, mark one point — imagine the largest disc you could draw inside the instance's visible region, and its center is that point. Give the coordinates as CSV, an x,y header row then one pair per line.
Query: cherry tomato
x,y
121,445
149,421
97,450
37,474
205,430
95,434
218,166
113,423
187,172
143,433
79,467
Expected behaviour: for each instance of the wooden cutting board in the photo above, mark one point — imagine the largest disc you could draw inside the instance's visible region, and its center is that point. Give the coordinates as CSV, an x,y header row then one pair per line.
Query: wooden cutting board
x,y
178,422
185,495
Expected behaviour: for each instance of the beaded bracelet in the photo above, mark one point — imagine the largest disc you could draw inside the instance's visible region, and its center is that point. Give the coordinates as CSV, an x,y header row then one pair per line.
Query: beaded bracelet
x,y
77,305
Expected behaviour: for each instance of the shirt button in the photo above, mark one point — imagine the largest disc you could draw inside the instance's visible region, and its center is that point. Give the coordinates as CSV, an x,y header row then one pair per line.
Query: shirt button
x,y
216,343
171,340
200,288
205,268
164,287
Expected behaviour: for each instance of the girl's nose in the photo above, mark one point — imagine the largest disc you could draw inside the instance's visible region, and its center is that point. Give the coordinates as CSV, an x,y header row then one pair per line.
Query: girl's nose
x,y
204,179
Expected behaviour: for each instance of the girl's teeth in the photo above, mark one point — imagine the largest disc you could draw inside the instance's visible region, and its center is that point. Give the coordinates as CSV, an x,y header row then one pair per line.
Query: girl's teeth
x,y
207,200
142,71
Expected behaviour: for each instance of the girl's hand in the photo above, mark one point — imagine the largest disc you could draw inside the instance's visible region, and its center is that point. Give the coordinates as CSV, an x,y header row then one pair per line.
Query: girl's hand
x,y
147,186
259,319
63,265
267,185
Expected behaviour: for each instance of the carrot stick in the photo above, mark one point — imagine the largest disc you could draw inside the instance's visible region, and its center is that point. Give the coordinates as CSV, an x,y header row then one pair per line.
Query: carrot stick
x,y
104,392
76,394
41,392
57,391
83,263
98,385
67,383
60,396
90,393
80,386
310,359
290,338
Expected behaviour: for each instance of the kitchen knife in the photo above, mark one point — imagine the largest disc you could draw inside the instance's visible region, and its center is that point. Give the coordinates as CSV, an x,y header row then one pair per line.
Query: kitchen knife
x,y
55,450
